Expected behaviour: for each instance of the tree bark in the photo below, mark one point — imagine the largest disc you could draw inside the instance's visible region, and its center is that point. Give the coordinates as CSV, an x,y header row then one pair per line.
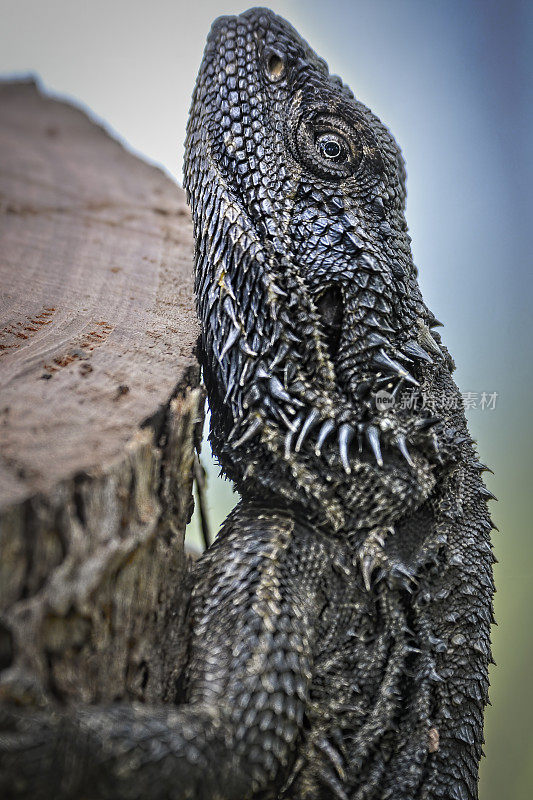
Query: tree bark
x,y
100,410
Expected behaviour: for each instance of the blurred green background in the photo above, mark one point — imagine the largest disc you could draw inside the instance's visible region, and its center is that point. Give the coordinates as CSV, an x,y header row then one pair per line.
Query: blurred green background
x,y
452,80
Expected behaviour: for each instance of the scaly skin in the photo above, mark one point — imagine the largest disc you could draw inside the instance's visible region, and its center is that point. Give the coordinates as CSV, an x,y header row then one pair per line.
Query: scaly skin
x,y
340,623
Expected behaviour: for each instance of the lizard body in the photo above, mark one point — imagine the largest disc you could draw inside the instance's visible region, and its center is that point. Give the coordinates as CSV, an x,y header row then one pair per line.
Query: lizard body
x,y
339,625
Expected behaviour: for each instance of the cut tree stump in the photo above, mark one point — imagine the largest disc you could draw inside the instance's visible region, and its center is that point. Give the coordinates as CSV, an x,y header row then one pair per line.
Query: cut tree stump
x,y
100,410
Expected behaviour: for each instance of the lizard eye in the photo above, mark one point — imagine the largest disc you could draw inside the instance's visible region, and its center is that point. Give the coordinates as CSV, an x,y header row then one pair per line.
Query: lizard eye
x,y
333,147
328,146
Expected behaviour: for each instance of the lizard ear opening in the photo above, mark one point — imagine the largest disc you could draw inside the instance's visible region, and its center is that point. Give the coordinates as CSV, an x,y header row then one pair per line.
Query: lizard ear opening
x,y
274,64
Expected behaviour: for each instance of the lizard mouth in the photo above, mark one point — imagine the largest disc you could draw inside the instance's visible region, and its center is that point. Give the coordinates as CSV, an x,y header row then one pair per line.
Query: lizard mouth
x,y
330,307
341,343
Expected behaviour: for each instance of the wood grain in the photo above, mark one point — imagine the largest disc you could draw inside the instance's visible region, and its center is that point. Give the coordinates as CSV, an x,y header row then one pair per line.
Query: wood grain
x,y
97,323
100,409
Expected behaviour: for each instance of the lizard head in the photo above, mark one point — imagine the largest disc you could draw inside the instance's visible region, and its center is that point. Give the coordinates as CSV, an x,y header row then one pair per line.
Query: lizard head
x,y
313,325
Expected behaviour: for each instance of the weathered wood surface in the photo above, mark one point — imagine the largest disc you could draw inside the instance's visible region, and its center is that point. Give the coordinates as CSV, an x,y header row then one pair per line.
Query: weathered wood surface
x,y
99,409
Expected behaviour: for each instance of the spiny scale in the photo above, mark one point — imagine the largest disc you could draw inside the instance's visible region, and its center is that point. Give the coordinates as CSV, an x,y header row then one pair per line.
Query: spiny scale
x,y
346,433
372,434
306,427
327,428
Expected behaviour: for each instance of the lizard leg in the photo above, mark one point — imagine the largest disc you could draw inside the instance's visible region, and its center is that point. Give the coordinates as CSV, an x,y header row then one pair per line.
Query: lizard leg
x,y
247,682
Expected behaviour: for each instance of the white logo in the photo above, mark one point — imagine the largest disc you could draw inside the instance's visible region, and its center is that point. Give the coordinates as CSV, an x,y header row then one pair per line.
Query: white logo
x,y
384,400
